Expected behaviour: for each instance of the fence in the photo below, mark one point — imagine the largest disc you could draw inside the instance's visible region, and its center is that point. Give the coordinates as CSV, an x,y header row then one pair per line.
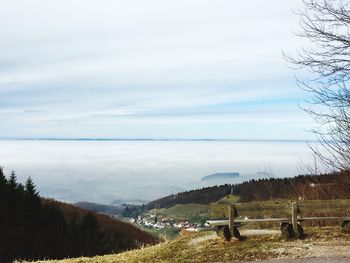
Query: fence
x,y
289,214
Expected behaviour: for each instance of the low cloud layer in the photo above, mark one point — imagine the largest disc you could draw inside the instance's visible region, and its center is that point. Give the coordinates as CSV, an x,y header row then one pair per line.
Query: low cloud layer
x,y
105,171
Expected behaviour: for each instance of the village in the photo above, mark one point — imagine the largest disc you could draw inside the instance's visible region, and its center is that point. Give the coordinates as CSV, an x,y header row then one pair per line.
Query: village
x,y
158,223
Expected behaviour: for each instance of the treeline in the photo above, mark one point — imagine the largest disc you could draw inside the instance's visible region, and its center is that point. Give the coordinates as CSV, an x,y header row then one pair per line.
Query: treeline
x,y
32,228
124,210
326,186
308,187
200,196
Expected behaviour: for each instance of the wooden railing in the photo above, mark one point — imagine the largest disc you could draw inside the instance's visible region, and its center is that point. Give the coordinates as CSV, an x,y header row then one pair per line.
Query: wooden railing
x,y
290,214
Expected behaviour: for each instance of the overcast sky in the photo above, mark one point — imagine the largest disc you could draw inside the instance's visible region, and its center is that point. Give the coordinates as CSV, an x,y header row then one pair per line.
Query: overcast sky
x,y
149,69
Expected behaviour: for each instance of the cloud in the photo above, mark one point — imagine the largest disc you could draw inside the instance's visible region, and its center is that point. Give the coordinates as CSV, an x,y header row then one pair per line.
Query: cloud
x,y
117,63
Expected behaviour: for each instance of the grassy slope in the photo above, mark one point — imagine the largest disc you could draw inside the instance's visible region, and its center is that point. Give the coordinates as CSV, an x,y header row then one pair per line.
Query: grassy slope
x,y
229,199
183,212
201,249
184,250
190,211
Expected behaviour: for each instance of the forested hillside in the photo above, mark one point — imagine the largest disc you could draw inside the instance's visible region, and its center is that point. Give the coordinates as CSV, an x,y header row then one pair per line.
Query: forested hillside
x,y
35,228
327,186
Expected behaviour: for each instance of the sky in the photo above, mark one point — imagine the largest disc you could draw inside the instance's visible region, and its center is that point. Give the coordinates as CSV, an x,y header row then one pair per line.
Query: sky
x,y
150,69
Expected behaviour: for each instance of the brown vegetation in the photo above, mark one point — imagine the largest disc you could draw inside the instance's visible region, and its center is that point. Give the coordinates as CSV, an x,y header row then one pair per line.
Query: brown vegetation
x,y
123,235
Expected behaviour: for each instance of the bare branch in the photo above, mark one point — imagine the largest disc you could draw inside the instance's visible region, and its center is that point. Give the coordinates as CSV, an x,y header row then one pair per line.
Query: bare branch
x,y
326,24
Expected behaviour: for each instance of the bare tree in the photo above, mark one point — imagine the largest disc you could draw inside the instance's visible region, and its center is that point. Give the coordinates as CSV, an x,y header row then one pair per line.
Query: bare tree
x,y
326,25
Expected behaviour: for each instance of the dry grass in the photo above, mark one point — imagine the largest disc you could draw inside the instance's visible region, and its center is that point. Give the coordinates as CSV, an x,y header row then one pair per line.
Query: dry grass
x,y
183,250
205,247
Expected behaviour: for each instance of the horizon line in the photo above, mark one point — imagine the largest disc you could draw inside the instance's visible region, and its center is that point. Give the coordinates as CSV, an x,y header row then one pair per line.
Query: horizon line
x,y
154,139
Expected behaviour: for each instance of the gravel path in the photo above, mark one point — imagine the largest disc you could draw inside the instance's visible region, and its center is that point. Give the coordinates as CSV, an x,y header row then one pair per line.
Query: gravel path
x,y
308,260
327,246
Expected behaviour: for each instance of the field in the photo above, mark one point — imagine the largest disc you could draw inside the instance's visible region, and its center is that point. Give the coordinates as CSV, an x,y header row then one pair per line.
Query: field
x,y
191,212
229,199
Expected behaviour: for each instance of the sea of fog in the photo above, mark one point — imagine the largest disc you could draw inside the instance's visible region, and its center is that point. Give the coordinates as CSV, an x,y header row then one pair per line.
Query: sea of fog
x,y
103,171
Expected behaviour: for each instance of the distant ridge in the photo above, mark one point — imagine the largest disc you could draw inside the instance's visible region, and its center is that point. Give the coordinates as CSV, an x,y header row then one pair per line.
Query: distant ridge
x,y
157,139
220,176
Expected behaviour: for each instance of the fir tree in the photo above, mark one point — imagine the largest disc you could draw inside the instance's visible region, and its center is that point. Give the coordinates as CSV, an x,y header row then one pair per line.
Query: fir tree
x,y
13,180
30,188
3,180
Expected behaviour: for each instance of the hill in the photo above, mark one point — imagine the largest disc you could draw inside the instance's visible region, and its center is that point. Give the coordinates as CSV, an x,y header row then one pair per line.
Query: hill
x,y
99,208
118,235
35,228
326,186
129,202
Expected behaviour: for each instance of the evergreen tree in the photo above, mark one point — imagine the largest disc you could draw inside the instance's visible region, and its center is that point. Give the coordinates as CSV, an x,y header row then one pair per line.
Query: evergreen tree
x,y
30,188
3,180
4,217
13,180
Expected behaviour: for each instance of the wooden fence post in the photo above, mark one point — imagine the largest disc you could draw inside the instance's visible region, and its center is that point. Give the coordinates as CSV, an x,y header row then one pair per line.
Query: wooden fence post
x,y
231,218
295,218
